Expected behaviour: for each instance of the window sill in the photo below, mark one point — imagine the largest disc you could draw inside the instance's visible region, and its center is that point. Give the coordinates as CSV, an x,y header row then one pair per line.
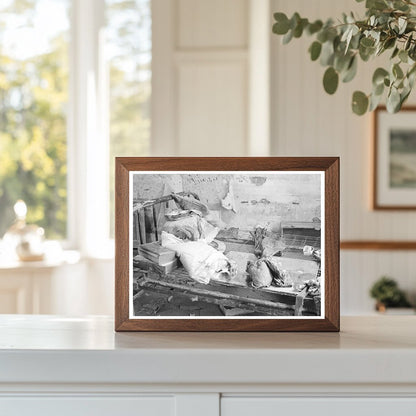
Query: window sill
x,y
7,262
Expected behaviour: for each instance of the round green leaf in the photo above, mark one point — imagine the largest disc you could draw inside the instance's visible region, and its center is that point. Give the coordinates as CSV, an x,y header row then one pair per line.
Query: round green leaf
x,y
403,56
315,50
288,37
404,96
327,54
374,102
389,43
378,90
367,42
379,75
298,30
342,61
282,26
330,80
351,71
395,52
397,71
359,103
393,101
314,27
366,53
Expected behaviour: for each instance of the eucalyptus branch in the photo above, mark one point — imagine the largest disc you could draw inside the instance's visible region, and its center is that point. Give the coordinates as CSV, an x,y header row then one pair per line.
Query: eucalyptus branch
x,y
389,25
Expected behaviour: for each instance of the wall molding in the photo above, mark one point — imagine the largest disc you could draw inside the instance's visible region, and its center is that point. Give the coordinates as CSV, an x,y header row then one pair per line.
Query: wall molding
x,y
377,245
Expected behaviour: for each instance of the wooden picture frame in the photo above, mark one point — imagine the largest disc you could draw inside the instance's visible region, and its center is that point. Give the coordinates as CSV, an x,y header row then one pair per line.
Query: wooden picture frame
x,y
390,183
129,168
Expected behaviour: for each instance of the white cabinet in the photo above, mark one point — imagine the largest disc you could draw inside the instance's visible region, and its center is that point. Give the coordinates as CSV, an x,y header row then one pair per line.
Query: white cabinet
x,y
88,406
298,406
80,366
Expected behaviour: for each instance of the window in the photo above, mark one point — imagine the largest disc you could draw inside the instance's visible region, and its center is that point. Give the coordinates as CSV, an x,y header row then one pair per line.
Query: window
x,y
129,43
75,87
33,103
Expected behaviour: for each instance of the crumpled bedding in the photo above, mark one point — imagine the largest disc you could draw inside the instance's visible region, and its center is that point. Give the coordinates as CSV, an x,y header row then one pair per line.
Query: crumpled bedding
x,y
199,259
191,228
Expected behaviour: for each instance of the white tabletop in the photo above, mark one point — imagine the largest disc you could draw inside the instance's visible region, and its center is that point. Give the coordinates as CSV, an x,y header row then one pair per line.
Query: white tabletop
x,y
46,349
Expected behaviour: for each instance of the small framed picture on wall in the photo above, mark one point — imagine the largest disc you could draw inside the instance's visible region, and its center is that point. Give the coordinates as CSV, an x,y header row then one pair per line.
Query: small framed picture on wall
x,y
227,244
394,177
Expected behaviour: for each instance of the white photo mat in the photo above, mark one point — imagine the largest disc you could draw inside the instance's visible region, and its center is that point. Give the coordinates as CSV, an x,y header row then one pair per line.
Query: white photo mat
x,y
251,173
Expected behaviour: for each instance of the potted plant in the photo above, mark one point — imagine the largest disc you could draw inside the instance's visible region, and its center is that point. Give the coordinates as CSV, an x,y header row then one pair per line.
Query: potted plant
x,y
387,294
389,27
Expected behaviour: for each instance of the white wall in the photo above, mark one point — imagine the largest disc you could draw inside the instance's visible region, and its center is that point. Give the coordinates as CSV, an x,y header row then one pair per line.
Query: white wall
x,y
203,87
308,122
210,97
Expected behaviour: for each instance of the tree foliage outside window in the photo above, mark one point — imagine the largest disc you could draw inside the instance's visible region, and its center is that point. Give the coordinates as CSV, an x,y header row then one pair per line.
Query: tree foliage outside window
x,y
33,101
129,43
34,68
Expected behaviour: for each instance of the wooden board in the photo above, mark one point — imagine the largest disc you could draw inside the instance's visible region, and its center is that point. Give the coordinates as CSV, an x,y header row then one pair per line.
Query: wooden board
x,y
272,297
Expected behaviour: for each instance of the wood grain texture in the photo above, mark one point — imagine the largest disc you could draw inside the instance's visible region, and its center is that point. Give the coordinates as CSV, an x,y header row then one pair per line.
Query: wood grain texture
x,y
378,245
330,165
376,204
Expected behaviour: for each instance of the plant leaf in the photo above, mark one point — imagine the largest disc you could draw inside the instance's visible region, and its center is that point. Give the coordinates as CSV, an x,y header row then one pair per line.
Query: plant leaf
x,y
351,71
359,103
327,53
314,27
403,56
397,71
393,101
402,24
330,80
395,52
379,75
315,50
374,101
281,27
288,37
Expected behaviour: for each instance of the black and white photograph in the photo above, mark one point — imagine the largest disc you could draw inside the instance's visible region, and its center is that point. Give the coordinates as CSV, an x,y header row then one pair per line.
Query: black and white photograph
x,y
226,244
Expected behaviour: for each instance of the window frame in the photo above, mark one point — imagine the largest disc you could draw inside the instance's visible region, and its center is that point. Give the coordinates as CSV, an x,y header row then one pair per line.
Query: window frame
x,y
87,133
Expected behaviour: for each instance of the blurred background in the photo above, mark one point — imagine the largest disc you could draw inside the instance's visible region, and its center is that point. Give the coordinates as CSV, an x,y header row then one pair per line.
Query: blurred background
x,y
83,81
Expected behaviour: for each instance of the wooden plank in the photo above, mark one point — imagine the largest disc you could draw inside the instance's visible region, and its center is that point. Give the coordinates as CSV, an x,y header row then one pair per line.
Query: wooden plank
x,y
180,279
155,222
142,226
149,224
215,294
301,224
253,310
136,226
139,205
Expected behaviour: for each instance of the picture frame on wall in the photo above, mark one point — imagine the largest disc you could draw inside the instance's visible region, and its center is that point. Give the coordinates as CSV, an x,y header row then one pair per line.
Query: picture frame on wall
x,y
227,244
394,164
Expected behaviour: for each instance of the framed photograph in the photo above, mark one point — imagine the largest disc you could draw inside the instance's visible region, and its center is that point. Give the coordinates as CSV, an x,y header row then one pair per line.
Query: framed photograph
x,y
227,244
394,159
